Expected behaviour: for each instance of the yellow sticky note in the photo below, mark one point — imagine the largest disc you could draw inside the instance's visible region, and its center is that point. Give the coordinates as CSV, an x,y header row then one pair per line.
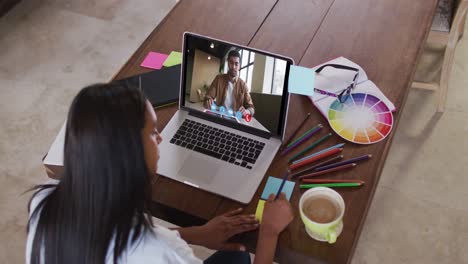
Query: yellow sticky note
x,y
259,211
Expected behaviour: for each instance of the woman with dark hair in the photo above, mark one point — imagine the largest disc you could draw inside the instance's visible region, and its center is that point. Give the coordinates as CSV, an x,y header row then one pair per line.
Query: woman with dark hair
x,y
97,212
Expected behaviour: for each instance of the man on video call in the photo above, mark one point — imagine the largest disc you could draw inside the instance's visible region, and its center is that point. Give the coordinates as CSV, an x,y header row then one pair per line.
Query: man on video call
x,y
229,90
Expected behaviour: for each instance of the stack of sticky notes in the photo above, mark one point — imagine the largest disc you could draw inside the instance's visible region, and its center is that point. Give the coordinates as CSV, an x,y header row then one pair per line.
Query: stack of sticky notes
x,y
156,60
272,186
301,80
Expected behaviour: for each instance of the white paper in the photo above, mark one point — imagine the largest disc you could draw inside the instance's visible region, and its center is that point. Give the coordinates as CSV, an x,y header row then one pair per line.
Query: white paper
x,y
336,80
55,154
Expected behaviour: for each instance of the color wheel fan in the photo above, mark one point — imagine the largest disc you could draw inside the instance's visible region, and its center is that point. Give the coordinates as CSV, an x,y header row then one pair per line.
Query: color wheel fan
x,y
361,119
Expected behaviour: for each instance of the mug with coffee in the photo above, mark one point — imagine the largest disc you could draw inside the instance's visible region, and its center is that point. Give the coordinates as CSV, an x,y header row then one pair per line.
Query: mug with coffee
x,y
322,211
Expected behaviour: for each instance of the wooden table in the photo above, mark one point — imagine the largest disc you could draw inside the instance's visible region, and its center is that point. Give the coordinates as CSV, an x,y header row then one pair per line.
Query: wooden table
x,y
385,37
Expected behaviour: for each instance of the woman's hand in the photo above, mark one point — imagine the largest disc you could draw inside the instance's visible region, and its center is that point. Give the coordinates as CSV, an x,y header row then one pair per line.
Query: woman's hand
x,y
215,232
223,227
277,214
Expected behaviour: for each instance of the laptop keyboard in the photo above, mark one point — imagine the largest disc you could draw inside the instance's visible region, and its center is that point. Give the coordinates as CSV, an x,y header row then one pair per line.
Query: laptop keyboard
x,y
218,143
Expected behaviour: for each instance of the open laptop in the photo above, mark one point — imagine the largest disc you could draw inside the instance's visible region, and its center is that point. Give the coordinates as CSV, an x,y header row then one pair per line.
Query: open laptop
x,y
218,143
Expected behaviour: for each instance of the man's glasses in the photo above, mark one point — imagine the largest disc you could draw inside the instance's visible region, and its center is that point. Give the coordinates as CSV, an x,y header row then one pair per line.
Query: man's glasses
x,y
344,94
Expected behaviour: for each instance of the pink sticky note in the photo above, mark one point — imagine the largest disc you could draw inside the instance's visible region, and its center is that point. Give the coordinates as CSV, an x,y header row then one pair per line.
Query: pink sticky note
x,y
154,60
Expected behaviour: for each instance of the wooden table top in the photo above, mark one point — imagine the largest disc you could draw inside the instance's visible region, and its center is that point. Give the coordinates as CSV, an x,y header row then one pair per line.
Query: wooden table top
x,y
385,37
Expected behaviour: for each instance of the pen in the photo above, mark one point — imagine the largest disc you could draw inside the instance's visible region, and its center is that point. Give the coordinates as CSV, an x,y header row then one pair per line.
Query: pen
x,y
285,177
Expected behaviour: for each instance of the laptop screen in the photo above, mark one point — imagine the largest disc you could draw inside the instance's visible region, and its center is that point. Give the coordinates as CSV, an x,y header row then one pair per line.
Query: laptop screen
x,y
240,86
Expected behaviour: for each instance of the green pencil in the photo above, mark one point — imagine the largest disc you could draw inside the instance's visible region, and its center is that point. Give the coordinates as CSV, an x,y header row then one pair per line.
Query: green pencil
x,y
341,184
303,135
320,140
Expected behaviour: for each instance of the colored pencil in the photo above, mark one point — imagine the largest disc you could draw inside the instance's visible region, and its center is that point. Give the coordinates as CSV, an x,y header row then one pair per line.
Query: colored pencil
x,y
329,181
365,157
328,161
342,184
303,139
295,131
313,145
351,165
302,136
319,152
285,177
315,158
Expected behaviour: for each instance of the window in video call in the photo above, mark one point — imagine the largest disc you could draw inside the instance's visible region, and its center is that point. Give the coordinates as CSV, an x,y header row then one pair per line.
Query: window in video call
x,y
236,84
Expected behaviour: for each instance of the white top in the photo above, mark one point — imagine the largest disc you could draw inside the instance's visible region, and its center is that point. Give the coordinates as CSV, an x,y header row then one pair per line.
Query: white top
x,y
164,246
228,101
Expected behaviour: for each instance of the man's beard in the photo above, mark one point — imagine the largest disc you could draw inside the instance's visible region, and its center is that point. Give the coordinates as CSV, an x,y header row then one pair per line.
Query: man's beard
x,y
232,74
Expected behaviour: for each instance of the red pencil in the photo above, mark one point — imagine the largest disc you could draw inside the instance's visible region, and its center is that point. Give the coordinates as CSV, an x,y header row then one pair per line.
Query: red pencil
x,y
351,165
320,164
329,181
315,158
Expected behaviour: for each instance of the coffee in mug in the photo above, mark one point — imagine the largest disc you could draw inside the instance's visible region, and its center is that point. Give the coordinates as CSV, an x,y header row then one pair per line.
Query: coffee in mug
x,y
322,211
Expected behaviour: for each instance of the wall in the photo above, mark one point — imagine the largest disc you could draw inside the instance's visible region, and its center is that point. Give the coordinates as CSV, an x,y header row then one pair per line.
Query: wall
x,y
258,74
204,71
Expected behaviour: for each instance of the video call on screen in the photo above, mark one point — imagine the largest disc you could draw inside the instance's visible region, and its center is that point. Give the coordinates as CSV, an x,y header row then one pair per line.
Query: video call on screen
x,y
233,83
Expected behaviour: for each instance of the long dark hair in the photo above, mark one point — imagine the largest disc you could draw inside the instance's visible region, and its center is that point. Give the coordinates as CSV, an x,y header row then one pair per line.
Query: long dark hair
x,y
105,189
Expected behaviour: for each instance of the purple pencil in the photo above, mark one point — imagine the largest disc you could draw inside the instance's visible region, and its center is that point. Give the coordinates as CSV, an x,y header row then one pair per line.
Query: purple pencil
x,y
344,162
311,133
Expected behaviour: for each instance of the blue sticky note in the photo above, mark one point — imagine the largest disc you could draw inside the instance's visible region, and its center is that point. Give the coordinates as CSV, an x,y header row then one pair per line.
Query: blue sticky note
x,y
301,80
272,186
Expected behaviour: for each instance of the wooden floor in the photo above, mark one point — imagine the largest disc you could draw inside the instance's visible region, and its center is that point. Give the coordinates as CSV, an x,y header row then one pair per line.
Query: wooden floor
x,y
420,192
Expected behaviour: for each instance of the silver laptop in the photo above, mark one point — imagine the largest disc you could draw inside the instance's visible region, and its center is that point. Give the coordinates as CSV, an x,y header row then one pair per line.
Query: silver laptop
x,y
231,119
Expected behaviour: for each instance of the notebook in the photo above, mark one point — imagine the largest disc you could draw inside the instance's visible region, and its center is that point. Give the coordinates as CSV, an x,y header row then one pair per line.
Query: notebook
x,y
161,87
335,80
364,117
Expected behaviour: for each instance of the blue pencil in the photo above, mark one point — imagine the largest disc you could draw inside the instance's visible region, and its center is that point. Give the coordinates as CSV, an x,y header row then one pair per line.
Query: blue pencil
x,y
285,177
318,153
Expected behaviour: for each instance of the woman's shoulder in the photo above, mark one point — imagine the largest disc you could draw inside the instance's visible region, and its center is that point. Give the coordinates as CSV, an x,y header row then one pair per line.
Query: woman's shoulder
x,y
160,246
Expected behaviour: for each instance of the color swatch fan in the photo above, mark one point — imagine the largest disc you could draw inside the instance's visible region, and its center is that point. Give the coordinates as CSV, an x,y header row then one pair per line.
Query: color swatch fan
x,y
362,118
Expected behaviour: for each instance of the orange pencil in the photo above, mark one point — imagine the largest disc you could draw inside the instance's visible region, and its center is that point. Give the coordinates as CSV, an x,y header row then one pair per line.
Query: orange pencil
x,y
315,158
330,181
351,165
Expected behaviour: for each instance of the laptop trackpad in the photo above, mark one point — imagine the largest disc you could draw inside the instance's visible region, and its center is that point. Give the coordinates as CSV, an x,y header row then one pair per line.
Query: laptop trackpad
x,y
198,170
